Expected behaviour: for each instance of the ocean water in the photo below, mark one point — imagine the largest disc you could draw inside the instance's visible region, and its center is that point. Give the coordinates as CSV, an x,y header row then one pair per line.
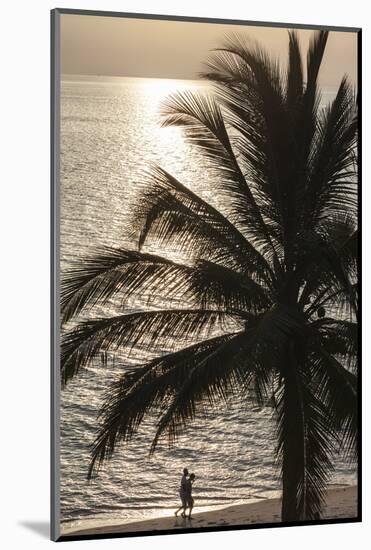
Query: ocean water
x,y
110,132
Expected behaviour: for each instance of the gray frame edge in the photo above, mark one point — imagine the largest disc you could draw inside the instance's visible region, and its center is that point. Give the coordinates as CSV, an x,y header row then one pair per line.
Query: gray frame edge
x,y
55,267
191,19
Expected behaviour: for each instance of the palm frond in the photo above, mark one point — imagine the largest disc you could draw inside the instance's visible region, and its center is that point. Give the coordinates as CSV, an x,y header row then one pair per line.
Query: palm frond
x,y
337,388
127,273
331,185
305,121
216,376
250,90
238,365
147,388
339,337
201,118
329,291
203,122
295,85
269,133
176,385
315,54
316,51
168,209
107,272
81,344
329,264
217,287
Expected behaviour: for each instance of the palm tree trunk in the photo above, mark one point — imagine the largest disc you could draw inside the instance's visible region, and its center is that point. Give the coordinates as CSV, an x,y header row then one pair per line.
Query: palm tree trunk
x,y
292,442
289,507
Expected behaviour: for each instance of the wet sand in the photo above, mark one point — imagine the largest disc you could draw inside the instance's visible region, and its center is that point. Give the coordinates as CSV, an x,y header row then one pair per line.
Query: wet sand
x,y
341,503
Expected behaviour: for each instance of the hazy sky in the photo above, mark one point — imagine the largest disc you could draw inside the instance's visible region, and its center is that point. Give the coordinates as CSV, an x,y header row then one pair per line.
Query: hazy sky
x,y
175,49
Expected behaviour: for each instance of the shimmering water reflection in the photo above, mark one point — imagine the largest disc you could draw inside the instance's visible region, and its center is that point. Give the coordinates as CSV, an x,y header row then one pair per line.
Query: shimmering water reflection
x,y
109,132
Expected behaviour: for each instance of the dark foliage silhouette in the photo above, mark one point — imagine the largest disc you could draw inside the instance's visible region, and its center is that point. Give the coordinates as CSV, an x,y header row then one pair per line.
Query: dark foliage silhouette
x,y
268,288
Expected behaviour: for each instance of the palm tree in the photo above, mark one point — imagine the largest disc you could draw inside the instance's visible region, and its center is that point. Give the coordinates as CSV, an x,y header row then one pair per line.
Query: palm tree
x,y
268,287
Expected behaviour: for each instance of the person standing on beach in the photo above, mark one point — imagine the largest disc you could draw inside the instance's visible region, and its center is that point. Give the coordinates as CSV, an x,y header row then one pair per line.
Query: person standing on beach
x,y
189,498
183,493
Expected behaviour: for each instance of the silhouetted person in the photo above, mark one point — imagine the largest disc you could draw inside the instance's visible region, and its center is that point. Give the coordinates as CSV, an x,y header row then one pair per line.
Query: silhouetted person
x,y
182,493
189,498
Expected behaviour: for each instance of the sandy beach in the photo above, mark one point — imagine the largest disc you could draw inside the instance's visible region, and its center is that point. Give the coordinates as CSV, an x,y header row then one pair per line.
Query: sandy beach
x,y
341,503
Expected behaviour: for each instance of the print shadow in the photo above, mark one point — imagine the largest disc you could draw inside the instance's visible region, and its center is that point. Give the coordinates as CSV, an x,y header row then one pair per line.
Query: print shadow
x,y
42,528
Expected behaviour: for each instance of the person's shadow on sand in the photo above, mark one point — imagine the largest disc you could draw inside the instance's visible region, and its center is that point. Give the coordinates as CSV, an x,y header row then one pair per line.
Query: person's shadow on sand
x,y
181,522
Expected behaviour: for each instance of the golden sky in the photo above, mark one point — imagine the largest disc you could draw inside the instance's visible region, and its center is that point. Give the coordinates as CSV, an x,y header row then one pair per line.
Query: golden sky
x,y
115,46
